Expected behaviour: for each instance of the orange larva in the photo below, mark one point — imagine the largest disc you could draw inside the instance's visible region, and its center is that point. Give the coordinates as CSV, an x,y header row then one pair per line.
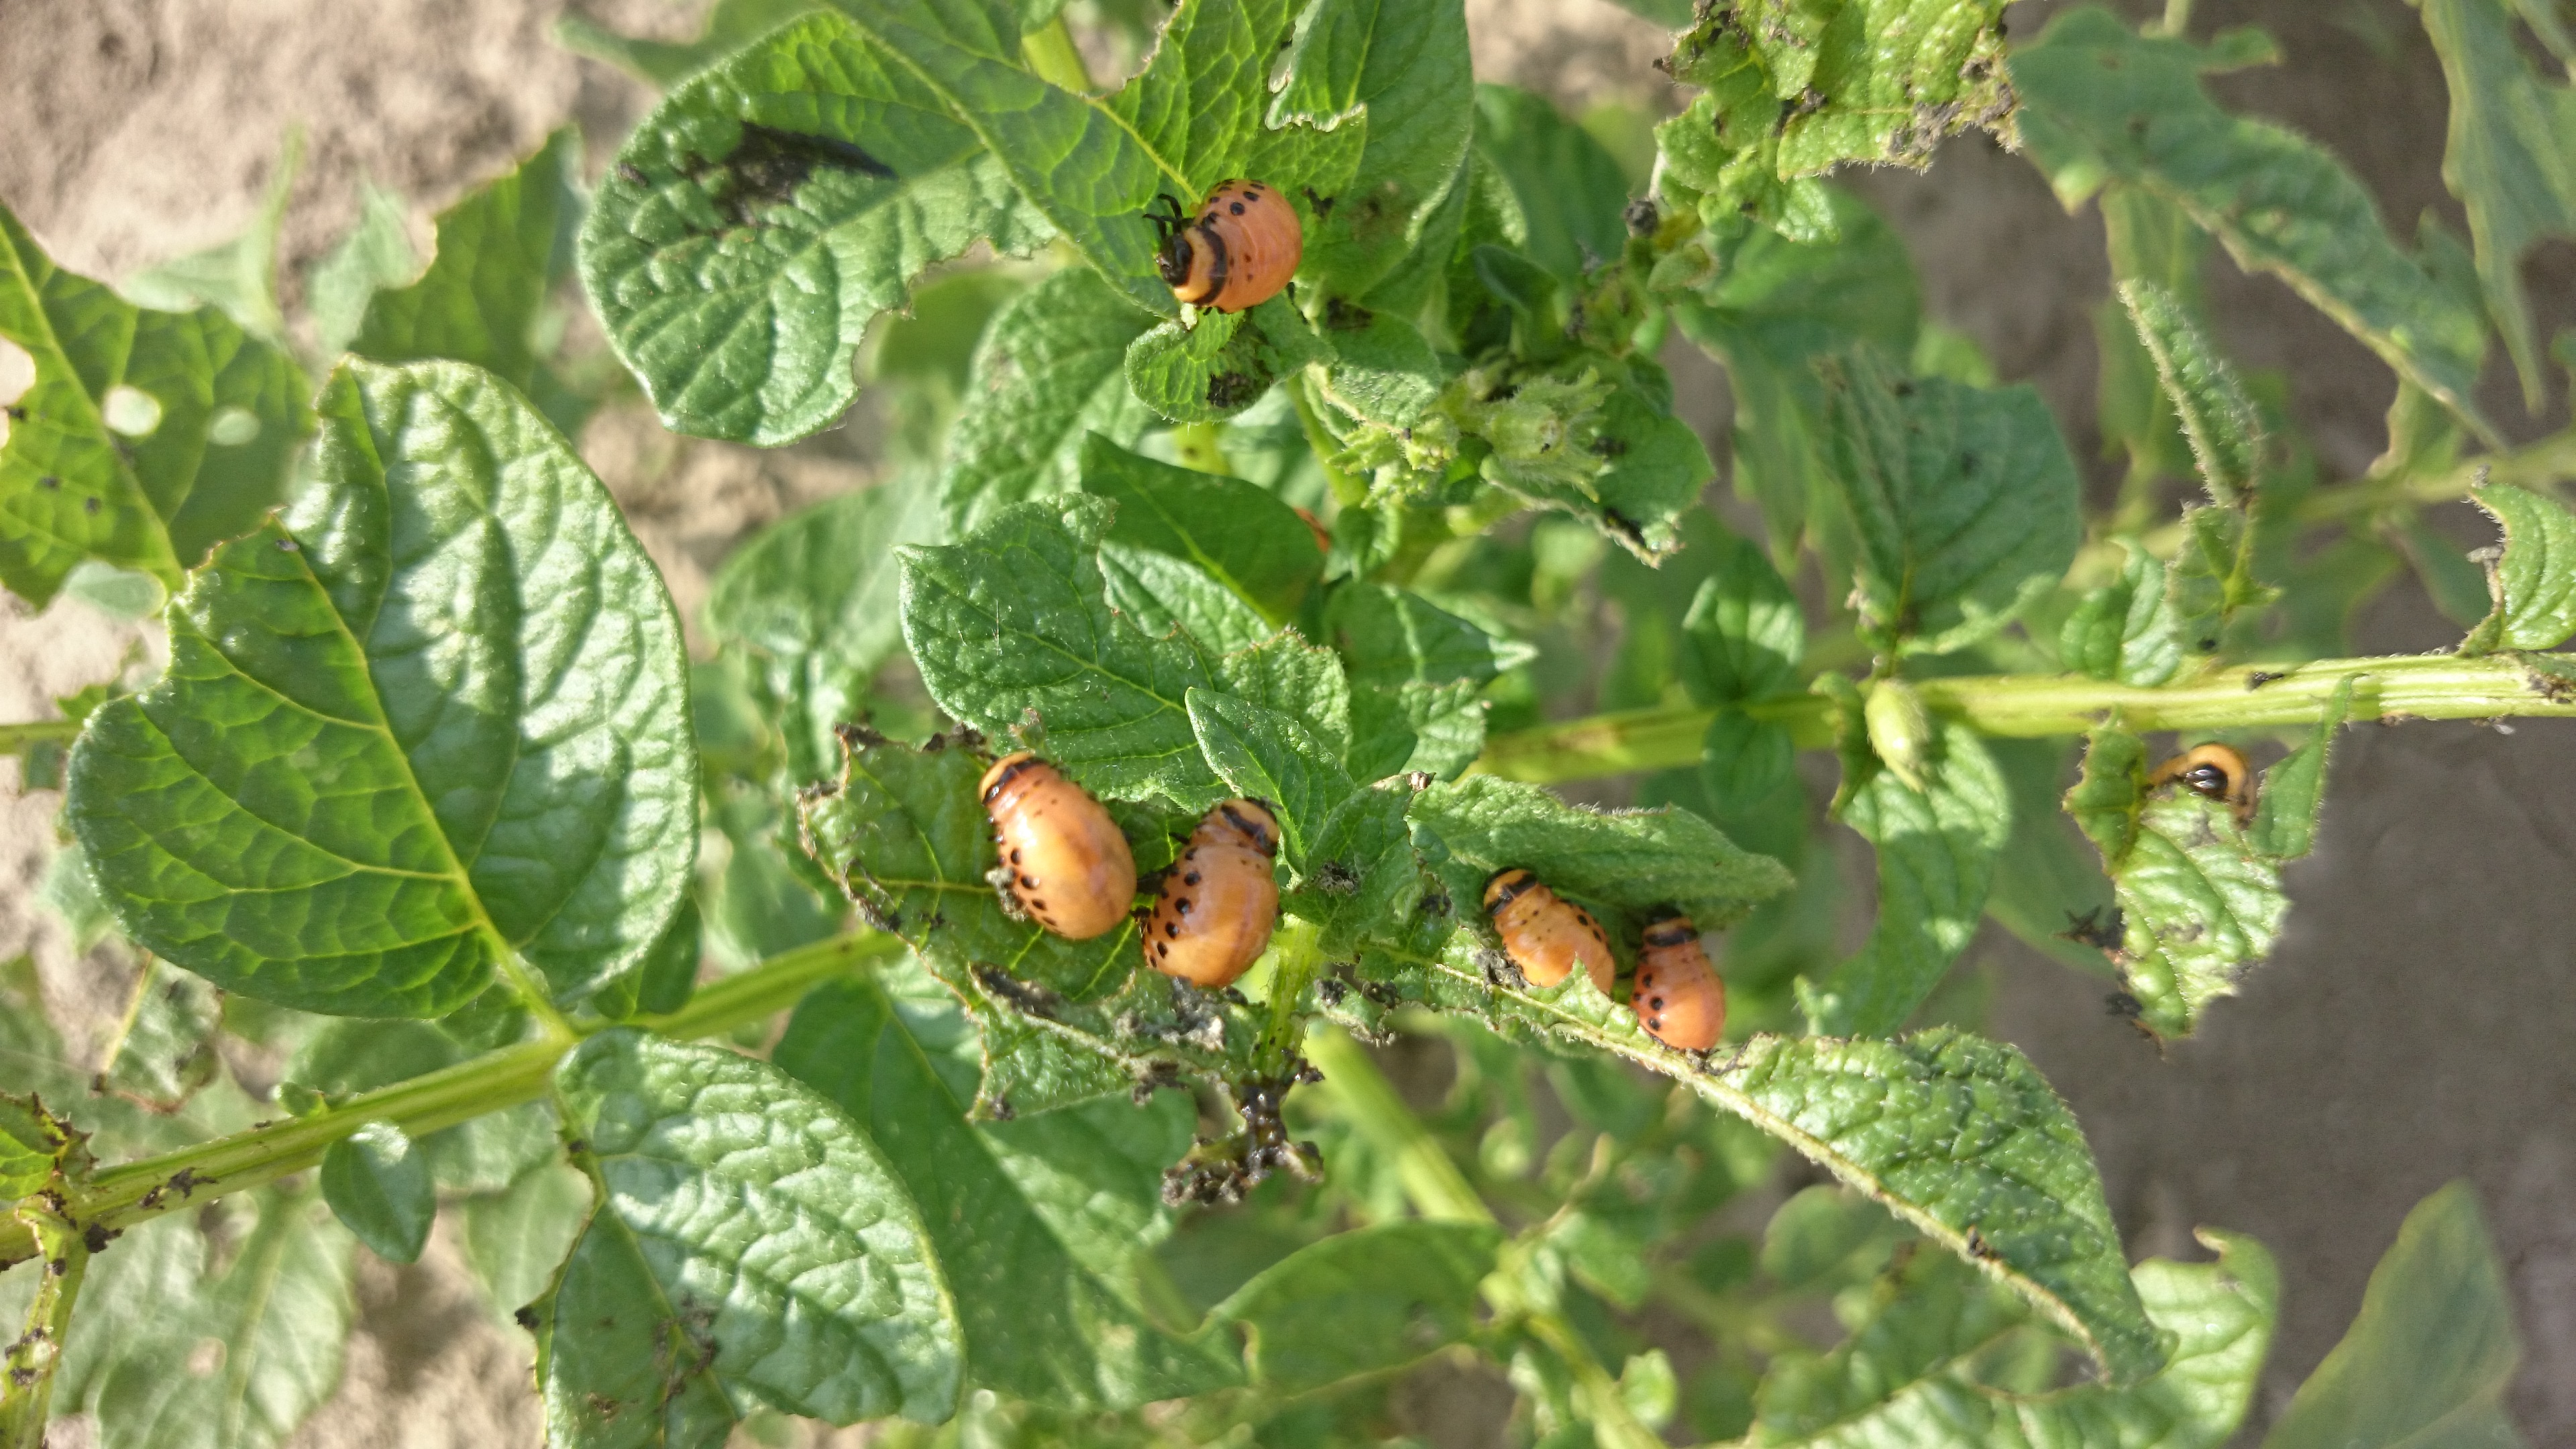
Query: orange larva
x,y
1069,867
1545,934
2215,772
1219,900
1680,997
1242,248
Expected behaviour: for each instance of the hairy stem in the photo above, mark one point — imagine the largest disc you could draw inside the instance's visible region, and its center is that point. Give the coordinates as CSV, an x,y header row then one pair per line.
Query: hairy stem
x,y
121,1197
2438,686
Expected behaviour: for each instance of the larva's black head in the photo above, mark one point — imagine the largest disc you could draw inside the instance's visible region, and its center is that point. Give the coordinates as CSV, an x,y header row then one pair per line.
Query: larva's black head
x,y
1669,927
2211,781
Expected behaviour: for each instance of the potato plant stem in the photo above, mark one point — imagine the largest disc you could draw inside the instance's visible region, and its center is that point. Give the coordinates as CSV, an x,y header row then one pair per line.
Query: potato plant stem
x,y
123,1196
15,738
2438,686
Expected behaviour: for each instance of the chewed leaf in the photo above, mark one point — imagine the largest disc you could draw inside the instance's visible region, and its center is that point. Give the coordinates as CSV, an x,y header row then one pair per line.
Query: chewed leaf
x,y
1268,755
1637,859
1239,532
431,722
2127,630
2100,102
1012,625
138,438
1038,1323
1936,858
1362,1302
1962,503
2285,812
2533,582
1211,370
790,1261
810,165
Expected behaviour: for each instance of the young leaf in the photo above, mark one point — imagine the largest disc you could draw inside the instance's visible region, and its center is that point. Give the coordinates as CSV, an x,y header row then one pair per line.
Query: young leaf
x,y
429,725
2431,1354
2125,631
378,1186
1742,760
144,439
1746,629
1172,599
2212,581
2533,582
1363,876
810,165
1361,1302
814,598
1770,313
1962,502
1289,675
2101,103
1266,755
499,252
2507,160
1805,90
1636,860
279,1313
1936,859
1382,368
2285,812
2225,431
1212,369
1009,627
480,1154
1910,1373
1416,671
516,1238
1050,372
1038,1323
1240,533
374,256
1569,192
761,1232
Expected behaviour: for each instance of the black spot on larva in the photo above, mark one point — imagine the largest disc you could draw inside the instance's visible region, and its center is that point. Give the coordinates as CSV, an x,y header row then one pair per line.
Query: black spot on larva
x,y
1015,857
1038,906
1162,950
1237,208
1655,1023
1190,879
1656,1004
1029,882
1171,928
1182,905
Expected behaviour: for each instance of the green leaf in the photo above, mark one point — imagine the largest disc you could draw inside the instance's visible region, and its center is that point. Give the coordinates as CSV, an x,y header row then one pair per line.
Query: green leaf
x,y
2285,811
1949,1131
2432,1353
809,166
1266,755
481,1154
1808,88
1222,363
429,725
2101,103
1393,75
1169,598
2533,581
378,1187
752,1221
1038,1323
516,1238
1747,631
2507,160
499,253
2226,432
2125,631
2201,902
730,26
1363,876
1636,860
1936,860
1911,1373
142,440
1051,370
2047,887
1962,502
1571,195
1010,628
279,1313
1382,367
813,597
637,1369
1361,1302
32,1144
1770,312
1242,534
1743,760
374,256
1285,673
2212,580
165,1053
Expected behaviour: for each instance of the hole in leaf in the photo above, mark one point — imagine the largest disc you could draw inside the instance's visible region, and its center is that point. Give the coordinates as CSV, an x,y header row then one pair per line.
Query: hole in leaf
x,y
232,427
206,1356
130,410
17,371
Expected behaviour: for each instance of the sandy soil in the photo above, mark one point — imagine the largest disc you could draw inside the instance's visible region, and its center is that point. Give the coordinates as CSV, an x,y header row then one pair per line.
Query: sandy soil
x,y
2411,1030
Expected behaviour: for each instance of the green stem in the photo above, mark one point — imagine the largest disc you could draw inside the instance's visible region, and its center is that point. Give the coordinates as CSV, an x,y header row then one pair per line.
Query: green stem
x,y
26,1396
1053,58
15,738
2436,686
1202,446
1439,1191
2177,17
121,1197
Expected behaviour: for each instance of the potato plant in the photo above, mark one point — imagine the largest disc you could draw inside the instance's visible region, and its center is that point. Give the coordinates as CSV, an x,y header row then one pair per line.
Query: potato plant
x,y
461,890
